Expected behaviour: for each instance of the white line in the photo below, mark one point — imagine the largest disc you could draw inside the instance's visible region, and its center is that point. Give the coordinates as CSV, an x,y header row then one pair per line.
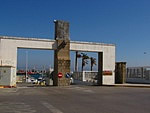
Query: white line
x,y
88,91
51,108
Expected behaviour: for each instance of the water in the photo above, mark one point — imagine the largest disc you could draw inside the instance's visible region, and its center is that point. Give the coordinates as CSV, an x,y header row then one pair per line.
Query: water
x,y
36,76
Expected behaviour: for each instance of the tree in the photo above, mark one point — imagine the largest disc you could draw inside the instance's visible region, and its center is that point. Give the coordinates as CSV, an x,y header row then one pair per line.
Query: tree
x,y
76,60
84,59
93,62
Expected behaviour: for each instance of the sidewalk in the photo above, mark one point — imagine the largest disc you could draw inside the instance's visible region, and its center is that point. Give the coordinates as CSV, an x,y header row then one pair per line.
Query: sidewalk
x,y
130,85
136,85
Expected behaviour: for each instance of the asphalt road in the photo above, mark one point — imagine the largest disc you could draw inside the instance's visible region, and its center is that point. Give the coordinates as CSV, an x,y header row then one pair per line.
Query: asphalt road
x,y
75,99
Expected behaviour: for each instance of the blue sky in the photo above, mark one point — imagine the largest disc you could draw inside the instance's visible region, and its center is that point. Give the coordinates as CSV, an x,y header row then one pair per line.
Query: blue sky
x,y
125,23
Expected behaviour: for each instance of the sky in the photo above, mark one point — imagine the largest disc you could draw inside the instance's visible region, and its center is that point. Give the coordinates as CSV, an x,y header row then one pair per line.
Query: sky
x,y
125,23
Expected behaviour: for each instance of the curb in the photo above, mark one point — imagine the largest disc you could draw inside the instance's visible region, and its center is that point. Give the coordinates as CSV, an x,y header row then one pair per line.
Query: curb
x,y
135,86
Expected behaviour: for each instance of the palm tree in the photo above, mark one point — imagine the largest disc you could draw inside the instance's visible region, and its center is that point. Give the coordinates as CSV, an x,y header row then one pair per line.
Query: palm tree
x,y
93,62
76,60
84,59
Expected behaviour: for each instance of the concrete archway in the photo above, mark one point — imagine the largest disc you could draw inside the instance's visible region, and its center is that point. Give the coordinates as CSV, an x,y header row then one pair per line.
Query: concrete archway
x,y
106,54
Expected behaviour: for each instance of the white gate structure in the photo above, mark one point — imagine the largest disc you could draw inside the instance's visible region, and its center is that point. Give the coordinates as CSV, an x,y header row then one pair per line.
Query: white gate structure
x,y
9,46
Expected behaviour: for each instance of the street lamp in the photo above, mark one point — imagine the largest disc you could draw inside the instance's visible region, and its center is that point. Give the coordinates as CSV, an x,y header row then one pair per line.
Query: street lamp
x,y
26,65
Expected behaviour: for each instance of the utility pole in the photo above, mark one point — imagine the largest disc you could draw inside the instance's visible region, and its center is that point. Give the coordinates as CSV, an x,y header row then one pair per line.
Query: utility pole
x,y
76,61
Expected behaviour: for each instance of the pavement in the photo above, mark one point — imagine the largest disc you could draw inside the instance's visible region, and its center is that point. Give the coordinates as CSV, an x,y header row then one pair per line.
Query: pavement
x,y
130,85
75,99
136,85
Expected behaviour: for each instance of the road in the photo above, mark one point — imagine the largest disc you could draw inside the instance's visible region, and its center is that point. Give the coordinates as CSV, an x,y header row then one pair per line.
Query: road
x,y
75,99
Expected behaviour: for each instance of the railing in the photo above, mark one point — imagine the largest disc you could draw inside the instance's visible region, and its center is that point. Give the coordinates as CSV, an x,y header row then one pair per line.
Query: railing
x,y
88,76
138,74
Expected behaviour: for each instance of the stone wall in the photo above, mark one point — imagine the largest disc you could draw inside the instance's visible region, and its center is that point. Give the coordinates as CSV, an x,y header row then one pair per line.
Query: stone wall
x,y
120,72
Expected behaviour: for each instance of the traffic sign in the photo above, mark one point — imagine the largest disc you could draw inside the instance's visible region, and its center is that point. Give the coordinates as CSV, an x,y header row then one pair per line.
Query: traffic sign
x,y
60,75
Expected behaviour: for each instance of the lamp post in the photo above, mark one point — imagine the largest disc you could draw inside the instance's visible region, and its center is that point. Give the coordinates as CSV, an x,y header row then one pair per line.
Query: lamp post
x,y
26,66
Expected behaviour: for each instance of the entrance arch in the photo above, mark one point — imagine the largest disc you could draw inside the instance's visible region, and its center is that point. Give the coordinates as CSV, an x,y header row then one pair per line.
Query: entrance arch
x,y
106,52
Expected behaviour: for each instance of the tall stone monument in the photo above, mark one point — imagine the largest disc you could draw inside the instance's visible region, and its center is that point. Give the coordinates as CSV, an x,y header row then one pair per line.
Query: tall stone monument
x,y
62,53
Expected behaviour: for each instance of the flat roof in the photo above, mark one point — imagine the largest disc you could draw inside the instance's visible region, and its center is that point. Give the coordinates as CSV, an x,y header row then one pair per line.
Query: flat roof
x,y
51,40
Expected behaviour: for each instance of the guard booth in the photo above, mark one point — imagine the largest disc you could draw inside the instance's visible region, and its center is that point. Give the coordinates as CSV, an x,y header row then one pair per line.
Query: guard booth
x,y
7,76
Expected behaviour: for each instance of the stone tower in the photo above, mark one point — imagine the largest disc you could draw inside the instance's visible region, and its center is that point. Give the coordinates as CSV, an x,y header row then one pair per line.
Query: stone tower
x,y
62,53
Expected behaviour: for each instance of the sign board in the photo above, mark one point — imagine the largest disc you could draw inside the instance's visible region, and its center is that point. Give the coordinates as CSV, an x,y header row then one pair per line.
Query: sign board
x,y
107,72
67,75
60,75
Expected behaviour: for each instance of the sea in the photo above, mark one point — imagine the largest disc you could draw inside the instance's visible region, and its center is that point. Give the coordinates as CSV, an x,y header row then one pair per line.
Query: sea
x,y
35,76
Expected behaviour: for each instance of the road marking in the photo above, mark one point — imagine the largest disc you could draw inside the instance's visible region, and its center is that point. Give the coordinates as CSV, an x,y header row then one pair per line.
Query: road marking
x,y
82,89
88,91
16,107
51,108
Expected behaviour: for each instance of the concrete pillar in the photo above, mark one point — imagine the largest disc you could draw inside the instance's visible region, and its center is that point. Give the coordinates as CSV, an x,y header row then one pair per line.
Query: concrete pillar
x,y
127,72
62,53
120,72
142,72
100,69
83,76
135,76
8,57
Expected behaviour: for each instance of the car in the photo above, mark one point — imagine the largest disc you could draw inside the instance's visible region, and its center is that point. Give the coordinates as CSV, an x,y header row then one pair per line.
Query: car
x,y
33,80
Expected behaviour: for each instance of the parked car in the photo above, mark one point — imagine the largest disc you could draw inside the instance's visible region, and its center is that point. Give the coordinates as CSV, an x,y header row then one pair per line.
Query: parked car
x,y
33,80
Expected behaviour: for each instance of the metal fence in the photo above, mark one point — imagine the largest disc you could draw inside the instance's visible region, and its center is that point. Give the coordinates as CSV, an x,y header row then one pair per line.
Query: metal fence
x,y
88,76
138,74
